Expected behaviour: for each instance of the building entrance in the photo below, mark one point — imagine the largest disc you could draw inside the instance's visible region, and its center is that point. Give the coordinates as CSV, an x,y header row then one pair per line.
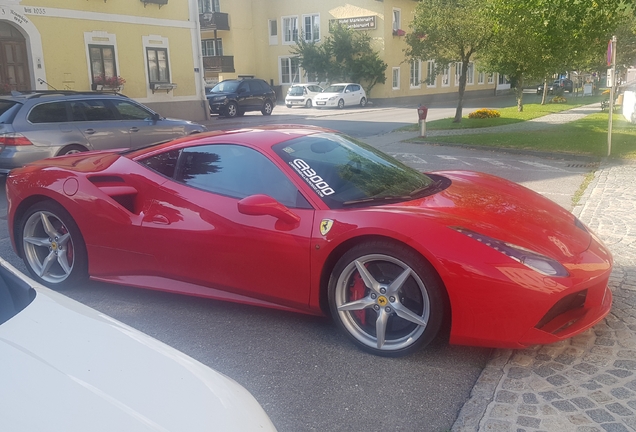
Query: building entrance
x,y
14,64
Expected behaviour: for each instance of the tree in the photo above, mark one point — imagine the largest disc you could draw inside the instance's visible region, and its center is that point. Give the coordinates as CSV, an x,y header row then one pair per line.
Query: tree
x,y
540,38
450,31
345,55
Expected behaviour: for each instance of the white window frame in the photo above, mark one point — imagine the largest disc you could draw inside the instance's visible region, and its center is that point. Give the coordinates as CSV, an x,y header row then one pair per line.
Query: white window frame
x,y
415,76
446,76
273,38
314,23
395,78
101,38
491,78
292,80
481,77
470,78
156,41
397,19
292,19
430,69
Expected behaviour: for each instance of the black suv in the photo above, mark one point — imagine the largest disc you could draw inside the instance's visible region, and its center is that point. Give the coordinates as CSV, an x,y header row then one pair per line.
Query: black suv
x,y
231,98
558,86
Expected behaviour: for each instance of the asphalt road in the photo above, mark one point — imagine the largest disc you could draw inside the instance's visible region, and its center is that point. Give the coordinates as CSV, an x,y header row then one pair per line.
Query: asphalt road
x,y
306,374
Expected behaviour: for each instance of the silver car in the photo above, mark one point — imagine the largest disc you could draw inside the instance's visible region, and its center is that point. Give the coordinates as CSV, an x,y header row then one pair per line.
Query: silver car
x,y
43,124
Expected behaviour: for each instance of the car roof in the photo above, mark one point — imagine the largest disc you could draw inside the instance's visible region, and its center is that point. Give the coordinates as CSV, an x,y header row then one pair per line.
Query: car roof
x,y
263,137
27,95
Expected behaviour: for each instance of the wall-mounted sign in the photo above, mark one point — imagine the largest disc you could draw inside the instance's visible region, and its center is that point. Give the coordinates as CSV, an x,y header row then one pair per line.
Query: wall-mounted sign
x,y
356,23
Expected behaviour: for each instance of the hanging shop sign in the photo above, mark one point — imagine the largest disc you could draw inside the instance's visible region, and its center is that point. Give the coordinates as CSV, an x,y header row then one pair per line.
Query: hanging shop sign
x,y
355,23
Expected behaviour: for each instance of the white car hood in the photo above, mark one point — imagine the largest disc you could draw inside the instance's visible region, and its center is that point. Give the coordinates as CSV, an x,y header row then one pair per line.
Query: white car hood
x,y
66,367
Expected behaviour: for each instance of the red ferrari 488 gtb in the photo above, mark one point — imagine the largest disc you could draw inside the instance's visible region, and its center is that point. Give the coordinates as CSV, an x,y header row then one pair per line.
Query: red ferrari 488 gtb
x,y
310,220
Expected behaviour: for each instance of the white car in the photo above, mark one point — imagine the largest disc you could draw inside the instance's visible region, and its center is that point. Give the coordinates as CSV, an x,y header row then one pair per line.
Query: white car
x,y
341,95
302,95
67,367
629,104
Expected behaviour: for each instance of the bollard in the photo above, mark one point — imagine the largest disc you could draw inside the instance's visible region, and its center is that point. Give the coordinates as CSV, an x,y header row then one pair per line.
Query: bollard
x,y
422,112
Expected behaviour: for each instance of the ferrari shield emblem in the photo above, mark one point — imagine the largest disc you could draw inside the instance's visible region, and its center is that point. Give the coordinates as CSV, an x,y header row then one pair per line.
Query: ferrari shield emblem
x,y
325,226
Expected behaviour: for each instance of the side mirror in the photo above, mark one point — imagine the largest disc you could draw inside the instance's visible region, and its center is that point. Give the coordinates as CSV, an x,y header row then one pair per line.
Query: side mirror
x,y
261,205
155,117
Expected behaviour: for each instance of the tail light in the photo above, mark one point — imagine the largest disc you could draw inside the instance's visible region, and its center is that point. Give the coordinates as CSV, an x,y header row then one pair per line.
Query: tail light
x,y
14,139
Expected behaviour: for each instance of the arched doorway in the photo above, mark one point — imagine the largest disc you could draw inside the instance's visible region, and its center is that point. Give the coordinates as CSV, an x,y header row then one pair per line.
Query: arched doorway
x,y
14,63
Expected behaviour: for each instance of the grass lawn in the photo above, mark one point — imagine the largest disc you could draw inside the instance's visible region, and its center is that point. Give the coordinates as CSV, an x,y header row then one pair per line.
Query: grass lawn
x,y
587,136
508,114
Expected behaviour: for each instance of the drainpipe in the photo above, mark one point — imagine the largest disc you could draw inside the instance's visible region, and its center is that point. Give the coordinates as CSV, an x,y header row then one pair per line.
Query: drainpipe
x,y
201,74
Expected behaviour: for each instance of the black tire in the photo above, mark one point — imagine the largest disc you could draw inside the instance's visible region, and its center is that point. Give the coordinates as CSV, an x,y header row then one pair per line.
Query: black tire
x,y
308,103
341,104
71,149
231,110
288,106
357,307
268,107
48,239
363,102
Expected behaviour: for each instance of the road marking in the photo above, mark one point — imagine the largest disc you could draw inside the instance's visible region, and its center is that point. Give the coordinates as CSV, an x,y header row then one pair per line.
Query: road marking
x,y
409,157
496,163
454,158
540,165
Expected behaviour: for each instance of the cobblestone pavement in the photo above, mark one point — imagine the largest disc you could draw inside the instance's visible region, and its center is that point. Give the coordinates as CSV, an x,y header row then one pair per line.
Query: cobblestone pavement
x,y
587,383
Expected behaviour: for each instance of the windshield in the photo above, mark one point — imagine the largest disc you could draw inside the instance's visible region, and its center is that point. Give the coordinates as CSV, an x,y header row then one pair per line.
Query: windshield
x,y
345,172
225,87
296,91
334,89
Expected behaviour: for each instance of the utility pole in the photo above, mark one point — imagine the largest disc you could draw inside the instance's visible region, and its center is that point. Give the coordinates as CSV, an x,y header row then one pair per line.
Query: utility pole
x,y
611,60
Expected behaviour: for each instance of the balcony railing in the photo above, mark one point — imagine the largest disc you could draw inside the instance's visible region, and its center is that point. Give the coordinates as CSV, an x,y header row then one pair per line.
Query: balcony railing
x,y
219,63
214,21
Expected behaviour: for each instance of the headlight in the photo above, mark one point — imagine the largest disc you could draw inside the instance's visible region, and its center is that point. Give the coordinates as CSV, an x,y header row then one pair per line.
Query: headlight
x,y
219,98
333,97
537,262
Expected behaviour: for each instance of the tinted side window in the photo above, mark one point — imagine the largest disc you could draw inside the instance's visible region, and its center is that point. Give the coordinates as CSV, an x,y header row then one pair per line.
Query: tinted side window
x,y
237,172
164,163
131,111
92,110
50,112
244,87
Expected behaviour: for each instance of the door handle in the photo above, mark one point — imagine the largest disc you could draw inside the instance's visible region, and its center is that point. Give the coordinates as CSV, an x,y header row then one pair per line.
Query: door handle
x,y
89,131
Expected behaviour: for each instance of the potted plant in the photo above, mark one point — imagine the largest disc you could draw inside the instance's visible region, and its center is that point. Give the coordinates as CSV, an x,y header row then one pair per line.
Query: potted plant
x,y
103,82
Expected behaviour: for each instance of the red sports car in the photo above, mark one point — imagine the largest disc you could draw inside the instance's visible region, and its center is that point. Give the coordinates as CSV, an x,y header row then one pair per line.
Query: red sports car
x,y
310,220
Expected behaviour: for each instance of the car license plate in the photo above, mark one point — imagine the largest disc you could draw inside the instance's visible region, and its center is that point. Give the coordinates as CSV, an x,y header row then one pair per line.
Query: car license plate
x,y
321,103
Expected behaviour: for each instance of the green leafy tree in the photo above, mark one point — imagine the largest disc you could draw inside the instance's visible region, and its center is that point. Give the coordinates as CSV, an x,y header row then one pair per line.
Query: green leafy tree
x,y
345,55
450,31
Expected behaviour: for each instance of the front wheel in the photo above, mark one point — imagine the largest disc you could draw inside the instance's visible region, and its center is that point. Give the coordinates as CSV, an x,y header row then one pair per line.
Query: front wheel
x,y
363,102
308,104
341,104
268,107
231,110
52,246
386,298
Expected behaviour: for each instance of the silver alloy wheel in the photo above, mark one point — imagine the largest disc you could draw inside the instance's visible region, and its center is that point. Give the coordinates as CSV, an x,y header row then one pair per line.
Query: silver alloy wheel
x,y
397,299
231,110
363,102
48,247
341,104
267,108
308,103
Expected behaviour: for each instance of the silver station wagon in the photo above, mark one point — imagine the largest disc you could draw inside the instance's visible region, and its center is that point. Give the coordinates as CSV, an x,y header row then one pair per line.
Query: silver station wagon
x,y
40,124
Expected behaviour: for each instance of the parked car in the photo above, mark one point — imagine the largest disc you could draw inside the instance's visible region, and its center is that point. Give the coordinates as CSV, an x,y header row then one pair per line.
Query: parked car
x,y
67,367
306,219
557,86
629,103
231,98
42,124
302,95
341,95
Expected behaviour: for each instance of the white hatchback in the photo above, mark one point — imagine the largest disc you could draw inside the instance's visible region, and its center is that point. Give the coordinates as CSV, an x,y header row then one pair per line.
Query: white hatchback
x,y
341,95
302,95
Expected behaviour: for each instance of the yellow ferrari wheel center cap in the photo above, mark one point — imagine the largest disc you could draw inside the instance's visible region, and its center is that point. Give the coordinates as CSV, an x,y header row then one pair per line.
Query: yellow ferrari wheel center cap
x,y
382,301
54,245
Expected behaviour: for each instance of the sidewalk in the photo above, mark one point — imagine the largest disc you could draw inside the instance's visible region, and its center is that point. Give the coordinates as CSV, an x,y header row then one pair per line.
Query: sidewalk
x,y
587,383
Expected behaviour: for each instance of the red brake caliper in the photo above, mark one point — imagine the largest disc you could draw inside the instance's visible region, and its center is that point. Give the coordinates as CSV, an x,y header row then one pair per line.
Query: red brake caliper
x,y
357,290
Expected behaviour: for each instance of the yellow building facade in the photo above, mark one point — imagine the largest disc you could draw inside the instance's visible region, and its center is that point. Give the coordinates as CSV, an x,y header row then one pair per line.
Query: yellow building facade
x,y
146,49
257,38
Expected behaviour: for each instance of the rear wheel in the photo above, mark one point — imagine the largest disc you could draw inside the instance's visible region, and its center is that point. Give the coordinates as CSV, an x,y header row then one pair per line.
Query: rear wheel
x,y
386,298
308,103
363,102
71,149
52,246
268,107
341,103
